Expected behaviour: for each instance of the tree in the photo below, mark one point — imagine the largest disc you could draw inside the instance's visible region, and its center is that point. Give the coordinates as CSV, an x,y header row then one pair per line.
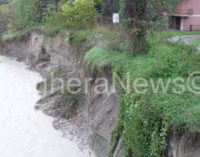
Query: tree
x,y
26,13
139,16
78,14
109,6
3,2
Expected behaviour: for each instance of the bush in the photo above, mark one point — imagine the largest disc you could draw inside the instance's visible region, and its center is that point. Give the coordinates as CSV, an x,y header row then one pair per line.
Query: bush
x,y
98,59
78,37
78,14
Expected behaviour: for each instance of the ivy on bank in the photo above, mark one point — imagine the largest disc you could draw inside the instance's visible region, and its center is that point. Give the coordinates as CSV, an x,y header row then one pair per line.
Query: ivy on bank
x,y
146,120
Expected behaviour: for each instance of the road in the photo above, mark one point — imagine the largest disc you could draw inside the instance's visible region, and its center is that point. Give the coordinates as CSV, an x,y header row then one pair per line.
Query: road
x,y
186,38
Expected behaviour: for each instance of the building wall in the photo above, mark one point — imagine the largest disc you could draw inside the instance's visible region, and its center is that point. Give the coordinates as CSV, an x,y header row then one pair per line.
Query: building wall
x,y
191,23
192,9
190,4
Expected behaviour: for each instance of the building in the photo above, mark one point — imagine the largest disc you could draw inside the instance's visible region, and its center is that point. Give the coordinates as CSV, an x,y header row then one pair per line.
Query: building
x,y
186,16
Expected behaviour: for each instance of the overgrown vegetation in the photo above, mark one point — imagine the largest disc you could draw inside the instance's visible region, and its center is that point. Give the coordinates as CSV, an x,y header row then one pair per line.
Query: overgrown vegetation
x,y
146,120
78,13
59,14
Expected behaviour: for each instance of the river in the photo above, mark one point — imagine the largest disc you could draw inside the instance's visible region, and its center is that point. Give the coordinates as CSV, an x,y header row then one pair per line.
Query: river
x,y
25,132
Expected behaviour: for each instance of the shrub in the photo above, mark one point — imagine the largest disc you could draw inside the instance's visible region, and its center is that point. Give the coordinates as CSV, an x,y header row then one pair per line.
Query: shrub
x,y
78,37
98,59
78,13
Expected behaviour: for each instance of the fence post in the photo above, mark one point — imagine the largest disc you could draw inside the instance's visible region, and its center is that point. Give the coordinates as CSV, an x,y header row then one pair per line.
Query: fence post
x,y
190,28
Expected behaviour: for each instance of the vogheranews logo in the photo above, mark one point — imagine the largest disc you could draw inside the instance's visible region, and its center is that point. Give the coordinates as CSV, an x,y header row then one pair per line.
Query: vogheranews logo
x,y
140,85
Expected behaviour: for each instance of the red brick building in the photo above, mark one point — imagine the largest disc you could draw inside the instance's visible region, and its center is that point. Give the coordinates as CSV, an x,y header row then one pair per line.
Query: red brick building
x,y
186,17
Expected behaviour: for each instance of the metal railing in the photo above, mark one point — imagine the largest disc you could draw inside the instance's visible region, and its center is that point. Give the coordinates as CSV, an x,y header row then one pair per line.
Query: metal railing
x,y
185,27
184,11
192,27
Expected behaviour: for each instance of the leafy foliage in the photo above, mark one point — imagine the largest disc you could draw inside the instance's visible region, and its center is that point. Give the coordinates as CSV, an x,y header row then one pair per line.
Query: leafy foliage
x,y
54,14
109,7
78,13
23,13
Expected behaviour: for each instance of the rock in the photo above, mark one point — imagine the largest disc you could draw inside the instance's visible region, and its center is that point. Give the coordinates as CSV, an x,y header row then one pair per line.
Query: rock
x,y
183,146
99,145
36,107
103,115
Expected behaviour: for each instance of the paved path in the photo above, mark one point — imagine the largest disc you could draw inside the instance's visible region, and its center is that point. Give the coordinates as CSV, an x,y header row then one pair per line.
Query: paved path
x,y
186,38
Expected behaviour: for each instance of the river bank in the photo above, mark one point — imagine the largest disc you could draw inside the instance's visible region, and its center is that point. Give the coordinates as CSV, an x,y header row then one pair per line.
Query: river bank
x,y
86,119
25,131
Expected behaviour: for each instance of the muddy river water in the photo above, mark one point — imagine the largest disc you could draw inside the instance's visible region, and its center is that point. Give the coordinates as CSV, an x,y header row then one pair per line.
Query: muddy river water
x,y
25,132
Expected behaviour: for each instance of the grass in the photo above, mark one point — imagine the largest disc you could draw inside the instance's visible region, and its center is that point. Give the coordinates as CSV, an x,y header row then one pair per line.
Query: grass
x,y
78,37
8,36
45,29
197,42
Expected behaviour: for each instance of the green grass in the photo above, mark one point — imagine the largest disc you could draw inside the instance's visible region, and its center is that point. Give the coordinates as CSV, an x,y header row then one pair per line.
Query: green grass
x,y
45,29
9,36
197,42
78,37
